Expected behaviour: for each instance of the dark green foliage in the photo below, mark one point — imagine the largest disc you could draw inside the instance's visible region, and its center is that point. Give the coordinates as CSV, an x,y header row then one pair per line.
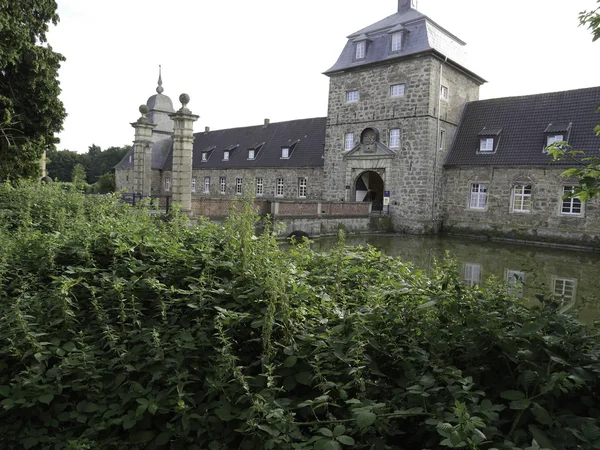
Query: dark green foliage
x,y
591,19
30,110
120,331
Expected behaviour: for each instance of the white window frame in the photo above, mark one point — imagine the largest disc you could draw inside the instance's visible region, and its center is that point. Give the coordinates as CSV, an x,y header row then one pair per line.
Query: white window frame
x,y
238,186
285,152
279,189
515,280
486,144
570,204
352,96
259,186
396,44
167,184
444,92
522,200
130,158
564,288
395,138
251,154
348,141
478,197
225,155
302,187
207,185
222,185
552,138
204,157
194,183
472,274
397,90
360,50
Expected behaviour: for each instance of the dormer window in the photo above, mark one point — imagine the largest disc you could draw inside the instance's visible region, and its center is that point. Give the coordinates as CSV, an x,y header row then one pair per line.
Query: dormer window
x,y
285,152
361,50
253,150
486,144
250,154
552,138
226,155
204,156
396,41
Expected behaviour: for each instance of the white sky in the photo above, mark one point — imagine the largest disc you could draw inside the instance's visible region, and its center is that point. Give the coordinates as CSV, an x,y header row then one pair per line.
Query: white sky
x,y
242,61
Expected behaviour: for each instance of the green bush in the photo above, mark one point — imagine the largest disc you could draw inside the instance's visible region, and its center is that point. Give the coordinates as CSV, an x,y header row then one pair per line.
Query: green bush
x,y
120,331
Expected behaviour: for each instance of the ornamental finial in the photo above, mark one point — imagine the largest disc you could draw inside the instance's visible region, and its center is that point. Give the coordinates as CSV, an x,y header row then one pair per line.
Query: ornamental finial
x,y
160,89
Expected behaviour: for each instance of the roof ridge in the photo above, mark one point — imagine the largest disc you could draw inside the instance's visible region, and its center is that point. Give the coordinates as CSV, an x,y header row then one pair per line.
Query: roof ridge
x,y
541,94
248,127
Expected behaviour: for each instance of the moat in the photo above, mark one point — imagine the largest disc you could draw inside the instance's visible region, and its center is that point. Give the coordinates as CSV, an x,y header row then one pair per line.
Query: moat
x,y
569,274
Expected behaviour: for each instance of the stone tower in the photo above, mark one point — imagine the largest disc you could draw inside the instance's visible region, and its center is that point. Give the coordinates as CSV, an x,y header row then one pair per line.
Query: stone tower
x,y
395,98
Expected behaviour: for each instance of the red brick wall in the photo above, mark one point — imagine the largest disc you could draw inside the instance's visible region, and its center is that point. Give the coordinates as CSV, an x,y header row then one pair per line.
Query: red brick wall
x,y
217,207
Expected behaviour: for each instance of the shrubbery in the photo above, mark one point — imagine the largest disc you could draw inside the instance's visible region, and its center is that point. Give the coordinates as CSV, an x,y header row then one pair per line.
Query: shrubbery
x,y
120,331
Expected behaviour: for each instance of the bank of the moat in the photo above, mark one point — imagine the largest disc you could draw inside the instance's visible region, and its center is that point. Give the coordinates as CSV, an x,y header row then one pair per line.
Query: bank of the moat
x,y
566,273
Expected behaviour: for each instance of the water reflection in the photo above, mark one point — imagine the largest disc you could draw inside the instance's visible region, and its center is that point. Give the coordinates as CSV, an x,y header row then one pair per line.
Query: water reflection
x,y
570,275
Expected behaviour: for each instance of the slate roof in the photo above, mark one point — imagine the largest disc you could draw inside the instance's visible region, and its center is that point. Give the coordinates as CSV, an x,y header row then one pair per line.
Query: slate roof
x,y
525,123
421,35
160,151
306,137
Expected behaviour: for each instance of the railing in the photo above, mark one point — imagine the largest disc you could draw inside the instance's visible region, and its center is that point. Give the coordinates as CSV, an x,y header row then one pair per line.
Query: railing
x,y
156,202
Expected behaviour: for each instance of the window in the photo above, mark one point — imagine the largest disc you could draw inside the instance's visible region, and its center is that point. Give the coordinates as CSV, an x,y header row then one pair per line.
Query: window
x,y
226,155
352,96
552,138
486,145
564,288
397,90
395,138
279,191
222,185
285,152
302,183
194,180
522,198
238,186
444,92
478,196
130,158
250,154
259,186
360,50
570,206
204,156
206,185
442,139
472,274
348,141
167,184
515,280
396,42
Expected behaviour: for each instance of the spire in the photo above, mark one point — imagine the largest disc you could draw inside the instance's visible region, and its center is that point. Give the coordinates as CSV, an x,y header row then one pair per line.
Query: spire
x,y
159,89
405,5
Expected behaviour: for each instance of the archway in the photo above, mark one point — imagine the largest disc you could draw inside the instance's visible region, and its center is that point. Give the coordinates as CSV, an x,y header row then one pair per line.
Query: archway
x,y
369,188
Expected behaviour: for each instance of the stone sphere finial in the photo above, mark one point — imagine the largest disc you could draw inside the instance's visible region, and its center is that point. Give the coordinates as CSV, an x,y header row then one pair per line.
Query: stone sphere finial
x,y
143,110
184,99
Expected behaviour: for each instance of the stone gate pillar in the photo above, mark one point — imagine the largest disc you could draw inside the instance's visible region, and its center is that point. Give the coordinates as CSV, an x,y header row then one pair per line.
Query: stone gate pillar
x,y
142,154
183,140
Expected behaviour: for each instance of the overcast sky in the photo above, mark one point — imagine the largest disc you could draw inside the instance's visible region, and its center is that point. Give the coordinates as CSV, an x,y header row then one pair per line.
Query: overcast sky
x,y
242,61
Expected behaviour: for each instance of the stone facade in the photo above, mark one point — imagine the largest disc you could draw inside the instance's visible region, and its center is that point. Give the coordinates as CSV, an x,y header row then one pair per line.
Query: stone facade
x,y
545,222
412,173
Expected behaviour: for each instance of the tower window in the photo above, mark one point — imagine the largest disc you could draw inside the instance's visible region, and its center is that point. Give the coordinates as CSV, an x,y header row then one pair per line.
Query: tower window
x,y
348,141
444,92
395,138
361,48
352,96
397,90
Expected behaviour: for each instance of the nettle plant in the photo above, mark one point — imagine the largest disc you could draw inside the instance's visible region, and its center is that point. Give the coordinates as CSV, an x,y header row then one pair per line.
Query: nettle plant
x,y
121,331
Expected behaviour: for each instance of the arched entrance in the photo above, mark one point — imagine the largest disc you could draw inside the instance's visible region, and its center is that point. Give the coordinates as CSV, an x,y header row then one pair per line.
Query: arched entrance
x,y
369,188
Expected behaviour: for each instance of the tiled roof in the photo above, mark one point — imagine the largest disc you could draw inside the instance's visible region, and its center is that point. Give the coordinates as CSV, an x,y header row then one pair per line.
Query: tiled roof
x,y
525,122
307,134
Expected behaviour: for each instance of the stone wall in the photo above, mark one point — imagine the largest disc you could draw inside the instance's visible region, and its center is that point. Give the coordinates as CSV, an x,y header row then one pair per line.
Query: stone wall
x,y
414,175
124,180
322,226
545,222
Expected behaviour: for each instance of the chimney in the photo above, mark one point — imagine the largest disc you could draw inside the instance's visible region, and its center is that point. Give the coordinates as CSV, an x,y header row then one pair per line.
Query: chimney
x,y
405,5
267,122
206,129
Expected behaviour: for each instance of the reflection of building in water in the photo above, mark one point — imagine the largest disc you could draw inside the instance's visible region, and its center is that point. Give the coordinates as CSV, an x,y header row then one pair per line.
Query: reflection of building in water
x,y
515,280
472,274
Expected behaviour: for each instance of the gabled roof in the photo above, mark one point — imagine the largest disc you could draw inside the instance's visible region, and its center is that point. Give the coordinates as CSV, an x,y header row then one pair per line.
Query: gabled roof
x,y
160,151
524,123
309,134
421,35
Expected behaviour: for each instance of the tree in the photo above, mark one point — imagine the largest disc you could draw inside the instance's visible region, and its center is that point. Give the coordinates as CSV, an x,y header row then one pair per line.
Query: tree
x,y
78,176
591,19
30,110
60,164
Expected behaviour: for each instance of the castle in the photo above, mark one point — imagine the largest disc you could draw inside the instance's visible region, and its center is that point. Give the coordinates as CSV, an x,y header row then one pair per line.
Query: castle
x,y
405,139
